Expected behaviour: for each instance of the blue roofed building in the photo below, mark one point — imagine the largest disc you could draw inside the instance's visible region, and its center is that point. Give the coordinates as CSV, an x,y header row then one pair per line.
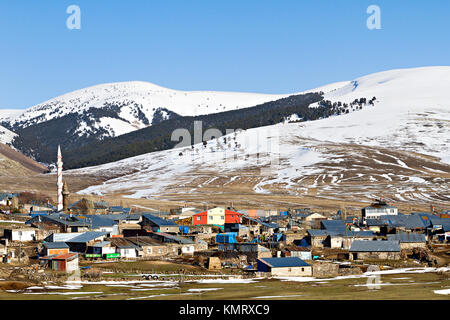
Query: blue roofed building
x,y
284,267
158,224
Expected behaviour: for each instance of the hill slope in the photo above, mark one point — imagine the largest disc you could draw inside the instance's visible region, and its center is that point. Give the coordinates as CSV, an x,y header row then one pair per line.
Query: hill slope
x,y
398,148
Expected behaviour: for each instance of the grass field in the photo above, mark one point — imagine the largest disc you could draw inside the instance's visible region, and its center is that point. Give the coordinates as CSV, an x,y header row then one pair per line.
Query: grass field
x,y
402,286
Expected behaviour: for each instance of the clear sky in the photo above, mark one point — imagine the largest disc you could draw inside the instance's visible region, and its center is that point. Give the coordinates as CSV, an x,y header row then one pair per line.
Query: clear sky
x,y
276,46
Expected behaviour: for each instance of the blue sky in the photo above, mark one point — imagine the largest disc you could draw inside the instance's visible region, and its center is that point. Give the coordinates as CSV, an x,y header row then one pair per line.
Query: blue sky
x,y
277,46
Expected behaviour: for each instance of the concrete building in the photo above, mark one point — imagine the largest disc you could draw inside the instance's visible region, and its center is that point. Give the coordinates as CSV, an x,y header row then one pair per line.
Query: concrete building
x,y
378,209
292,266
409,240
20,234
375,250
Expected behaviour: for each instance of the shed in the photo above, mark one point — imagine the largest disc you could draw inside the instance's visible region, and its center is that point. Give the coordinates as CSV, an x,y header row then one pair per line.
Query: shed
x,y
52,248
67,262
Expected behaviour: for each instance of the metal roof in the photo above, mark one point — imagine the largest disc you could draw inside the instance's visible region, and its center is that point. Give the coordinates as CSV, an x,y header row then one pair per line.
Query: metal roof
x,y
56,245
334,225
375,246
101,244
178,239
318,232
406,221
284,262
87,236
160,221
124,244
407,237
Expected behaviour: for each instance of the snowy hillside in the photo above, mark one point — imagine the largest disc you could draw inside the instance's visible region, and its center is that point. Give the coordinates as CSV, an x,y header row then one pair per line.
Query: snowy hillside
x,y
377,150
412,112
133,105
6,136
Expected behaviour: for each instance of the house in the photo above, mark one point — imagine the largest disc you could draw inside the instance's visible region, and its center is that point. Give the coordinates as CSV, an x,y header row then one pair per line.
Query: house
x,y
288,266
316,237
81,242
20,234
55,248
253,251
257,227
216,216
102,248
125,248
65,222
377,209
402,222
67,262
409,240
185,246
375,250
158,224
152,248
102,223
302,253
375,225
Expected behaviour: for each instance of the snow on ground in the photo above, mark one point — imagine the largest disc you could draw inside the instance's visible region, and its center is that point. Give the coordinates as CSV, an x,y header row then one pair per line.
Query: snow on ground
x,y
444,291
135,98
6,136
411,113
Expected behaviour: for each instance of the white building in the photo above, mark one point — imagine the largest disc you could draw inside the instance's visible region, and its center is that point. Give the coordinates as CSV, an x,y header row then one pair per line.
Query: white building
x,y
377,209
22,235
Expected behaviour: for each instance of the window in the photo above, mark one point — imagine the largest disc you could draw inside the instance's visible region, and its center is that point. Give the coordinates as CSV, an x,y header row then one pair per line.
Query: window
x,y
303,269
222,217
159,250
198,218
149,250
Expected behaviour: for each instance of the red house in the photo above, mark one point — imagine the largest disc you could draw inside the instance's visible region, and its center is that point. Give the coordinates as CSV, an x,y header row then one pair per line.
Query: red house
x,y
217,216
232,217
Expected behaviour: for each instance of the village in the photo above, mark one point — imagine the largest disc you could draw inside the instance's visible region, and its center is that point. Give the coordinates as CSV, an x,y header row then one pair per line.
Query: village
x,y
93,240
295,242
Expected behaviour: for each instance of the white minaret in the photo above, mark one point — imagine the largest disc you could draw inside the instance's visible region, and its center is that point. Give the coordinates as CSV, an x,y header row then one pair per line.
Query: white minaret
x,y
59,184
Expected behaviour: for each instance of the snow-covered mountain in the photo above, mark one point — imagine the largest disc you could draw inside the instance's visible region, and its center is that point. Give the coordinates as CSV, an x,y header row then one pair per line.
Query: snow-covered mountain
x,y
119,108
399,148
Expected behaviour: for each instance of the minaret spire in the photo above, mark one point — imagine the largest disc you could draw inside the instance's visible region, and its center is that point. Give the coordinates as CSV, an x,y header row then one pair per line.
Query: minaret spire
x,y
59,184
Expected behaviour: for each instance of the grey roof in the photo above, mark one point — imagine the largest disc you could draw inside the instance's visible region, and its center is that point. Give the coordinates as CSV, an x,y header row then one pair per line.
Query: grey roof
x,y
284,262
334,225
343,233
375,222
56,245
173,238
318,232
375,246
407,237
160,221
406,221
87,236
